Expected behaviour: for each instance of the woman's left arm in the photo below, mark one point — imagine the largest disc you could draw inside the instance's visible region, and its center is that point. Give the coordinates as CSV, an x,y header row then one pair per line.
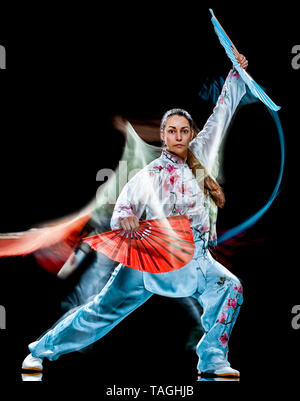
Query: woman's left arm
x,y
206,144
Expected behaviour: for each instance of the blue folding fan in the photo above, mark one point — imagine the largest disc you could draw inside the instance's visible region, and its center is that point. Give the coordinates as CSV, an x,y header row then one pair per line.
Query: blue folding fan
x,y
234,56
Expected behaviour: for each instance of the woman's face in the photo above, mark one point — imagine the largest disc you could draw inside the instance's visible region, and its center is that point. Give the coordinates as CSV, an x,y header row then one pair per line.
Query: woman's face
x,y
177,135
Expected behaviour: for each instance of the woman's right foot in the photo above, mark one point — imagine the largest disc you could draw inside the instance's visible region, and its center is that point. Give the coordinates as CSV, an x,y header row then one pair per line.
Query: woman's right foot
x,y
33,363
226,371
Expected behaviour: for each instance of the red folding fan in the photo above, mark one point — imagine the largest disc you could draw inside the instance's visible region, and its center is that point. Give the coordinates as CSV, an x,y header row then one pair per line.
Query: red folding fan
x,y
158,246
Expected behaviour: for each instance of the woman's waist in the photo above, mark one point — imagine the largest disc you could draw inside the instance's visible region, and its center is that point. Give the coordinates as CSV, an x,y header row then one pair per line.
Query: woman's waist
x,y
199,224
195,219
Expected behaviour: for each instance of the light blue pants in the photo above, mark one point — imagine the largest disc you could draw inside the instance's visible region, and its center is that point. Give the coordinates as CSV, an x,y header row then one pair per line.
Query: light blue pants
x,y
219,293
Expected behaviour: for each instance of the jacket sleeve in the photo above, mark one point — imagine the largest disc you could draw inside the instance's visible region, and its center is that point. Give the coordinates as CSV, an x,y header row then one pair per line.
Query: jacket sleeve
x,y
206,144
132,199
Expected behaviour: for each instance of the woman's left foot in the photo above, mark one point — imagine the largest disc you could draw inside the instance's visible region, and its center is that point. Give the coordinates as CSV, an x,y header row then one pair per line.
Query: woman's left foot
x,y
226,371
33,363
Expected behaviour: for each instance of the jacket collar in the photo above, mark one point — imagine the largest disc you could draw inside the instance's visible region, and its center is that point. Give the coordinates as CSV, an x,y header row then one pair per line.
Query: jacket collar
x,y
165,154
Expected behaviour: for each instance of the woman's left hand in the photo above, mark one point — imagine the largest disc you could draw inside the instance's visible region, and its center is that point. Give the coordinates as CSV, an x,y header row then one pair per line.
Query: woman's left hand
x,y
243,62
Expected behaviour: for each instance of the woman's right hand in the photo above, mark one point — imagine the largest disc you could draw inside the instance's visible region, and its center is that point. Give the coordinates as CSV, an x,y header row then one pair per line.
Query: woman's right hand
x,y
130,223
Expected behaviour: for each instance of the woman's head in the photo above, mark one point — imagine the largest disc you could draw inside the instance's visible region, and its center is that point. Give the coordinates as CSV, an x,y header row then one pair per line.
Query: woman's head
x,y
177,129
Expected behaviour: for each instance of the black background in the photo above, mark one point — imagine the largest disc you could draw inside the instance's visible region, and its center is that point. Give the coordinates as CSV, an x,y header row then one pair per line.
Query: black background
x,y
68,71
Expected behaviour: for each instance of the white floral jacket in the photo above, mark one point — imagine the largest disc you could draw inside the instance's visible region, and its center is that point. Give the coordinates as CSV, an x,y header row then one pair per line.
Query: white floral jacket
x,y
167,186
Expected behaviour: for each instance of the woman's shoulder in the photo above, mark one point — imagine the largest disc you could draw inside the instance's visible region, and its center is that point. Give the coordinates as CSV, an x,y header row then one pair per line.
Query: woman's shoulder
x,y
156,163
155,166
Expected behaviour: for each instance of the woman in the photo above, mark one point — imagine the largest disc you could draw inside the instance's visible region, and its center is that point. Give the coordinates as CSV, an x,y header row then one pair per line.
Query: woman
x,y
169,185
